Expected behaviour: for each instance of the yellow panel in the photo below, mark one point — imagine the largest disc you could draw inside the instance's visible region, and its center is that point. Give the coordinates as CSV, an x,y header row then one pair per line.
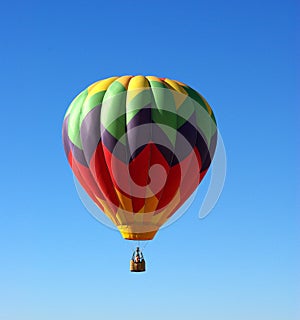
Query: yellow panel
x,y
160,218
125,217
146,212
100,85
149,193
179,99
107,210
207,105
147,218
136,85
157,217
138,82
175,86
124,80
151,203
181,83
125,201
152,78
121,217
138,236
129,217
138,232
138,217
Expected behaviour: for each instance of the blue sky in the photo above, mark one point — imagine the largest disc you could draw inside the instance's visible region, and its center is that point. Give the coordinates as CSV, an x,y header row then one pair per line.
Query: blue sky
x,y
242,261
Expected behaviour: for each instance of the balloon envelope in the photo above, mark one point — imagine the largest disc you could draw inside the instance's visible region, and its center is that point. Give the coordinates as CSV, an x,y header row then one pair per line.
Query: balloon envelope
x,y
139,146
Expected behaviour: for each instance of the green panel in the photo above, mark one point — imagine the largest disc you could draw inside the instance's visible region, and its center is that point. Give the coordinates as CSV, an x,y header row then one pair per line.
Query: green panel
x,y
187,108
73,103
113,116
90,103
74,119
117,129
114,89
164,111
205,123
212,113
213,117
133,106
157,84
194,95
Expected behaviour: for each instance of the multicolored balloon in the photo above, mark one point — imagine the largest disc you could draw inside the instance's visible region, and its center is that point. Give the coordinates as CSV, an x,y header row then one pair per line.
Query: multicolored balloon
x,y
139,146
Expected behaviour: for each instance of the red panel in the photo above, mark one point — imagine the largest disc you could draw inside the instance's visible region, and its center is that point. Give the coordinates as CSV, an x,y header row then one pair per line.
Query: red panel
x,y
86,180
102,176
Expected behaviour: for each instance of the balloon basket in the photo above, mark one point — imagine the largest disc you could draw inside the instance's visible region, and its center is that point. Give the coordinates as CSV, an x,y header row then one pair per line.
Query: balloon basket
x,y
137,266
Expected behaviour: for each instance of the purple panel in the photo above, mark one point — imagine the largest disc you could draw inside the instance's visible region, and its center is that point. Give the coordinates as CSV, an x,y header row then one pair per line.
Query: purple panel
x,y
90,132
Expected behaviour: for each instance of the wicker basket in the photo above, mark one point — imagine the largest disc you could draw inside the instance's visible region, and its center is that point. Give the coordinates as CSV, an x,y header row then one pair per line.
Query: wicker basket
x,y
137,266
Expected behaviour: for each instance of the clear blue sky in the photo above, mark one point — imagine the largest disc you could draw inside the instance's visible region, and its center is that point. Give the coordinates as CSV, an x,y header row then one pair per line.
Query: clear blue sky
x,y
56,261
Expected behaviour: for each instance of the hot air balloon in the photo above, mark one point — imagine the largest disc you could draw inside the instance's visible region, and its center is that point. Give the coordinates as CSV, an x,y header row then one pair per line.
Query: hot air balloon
x,y
139,146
